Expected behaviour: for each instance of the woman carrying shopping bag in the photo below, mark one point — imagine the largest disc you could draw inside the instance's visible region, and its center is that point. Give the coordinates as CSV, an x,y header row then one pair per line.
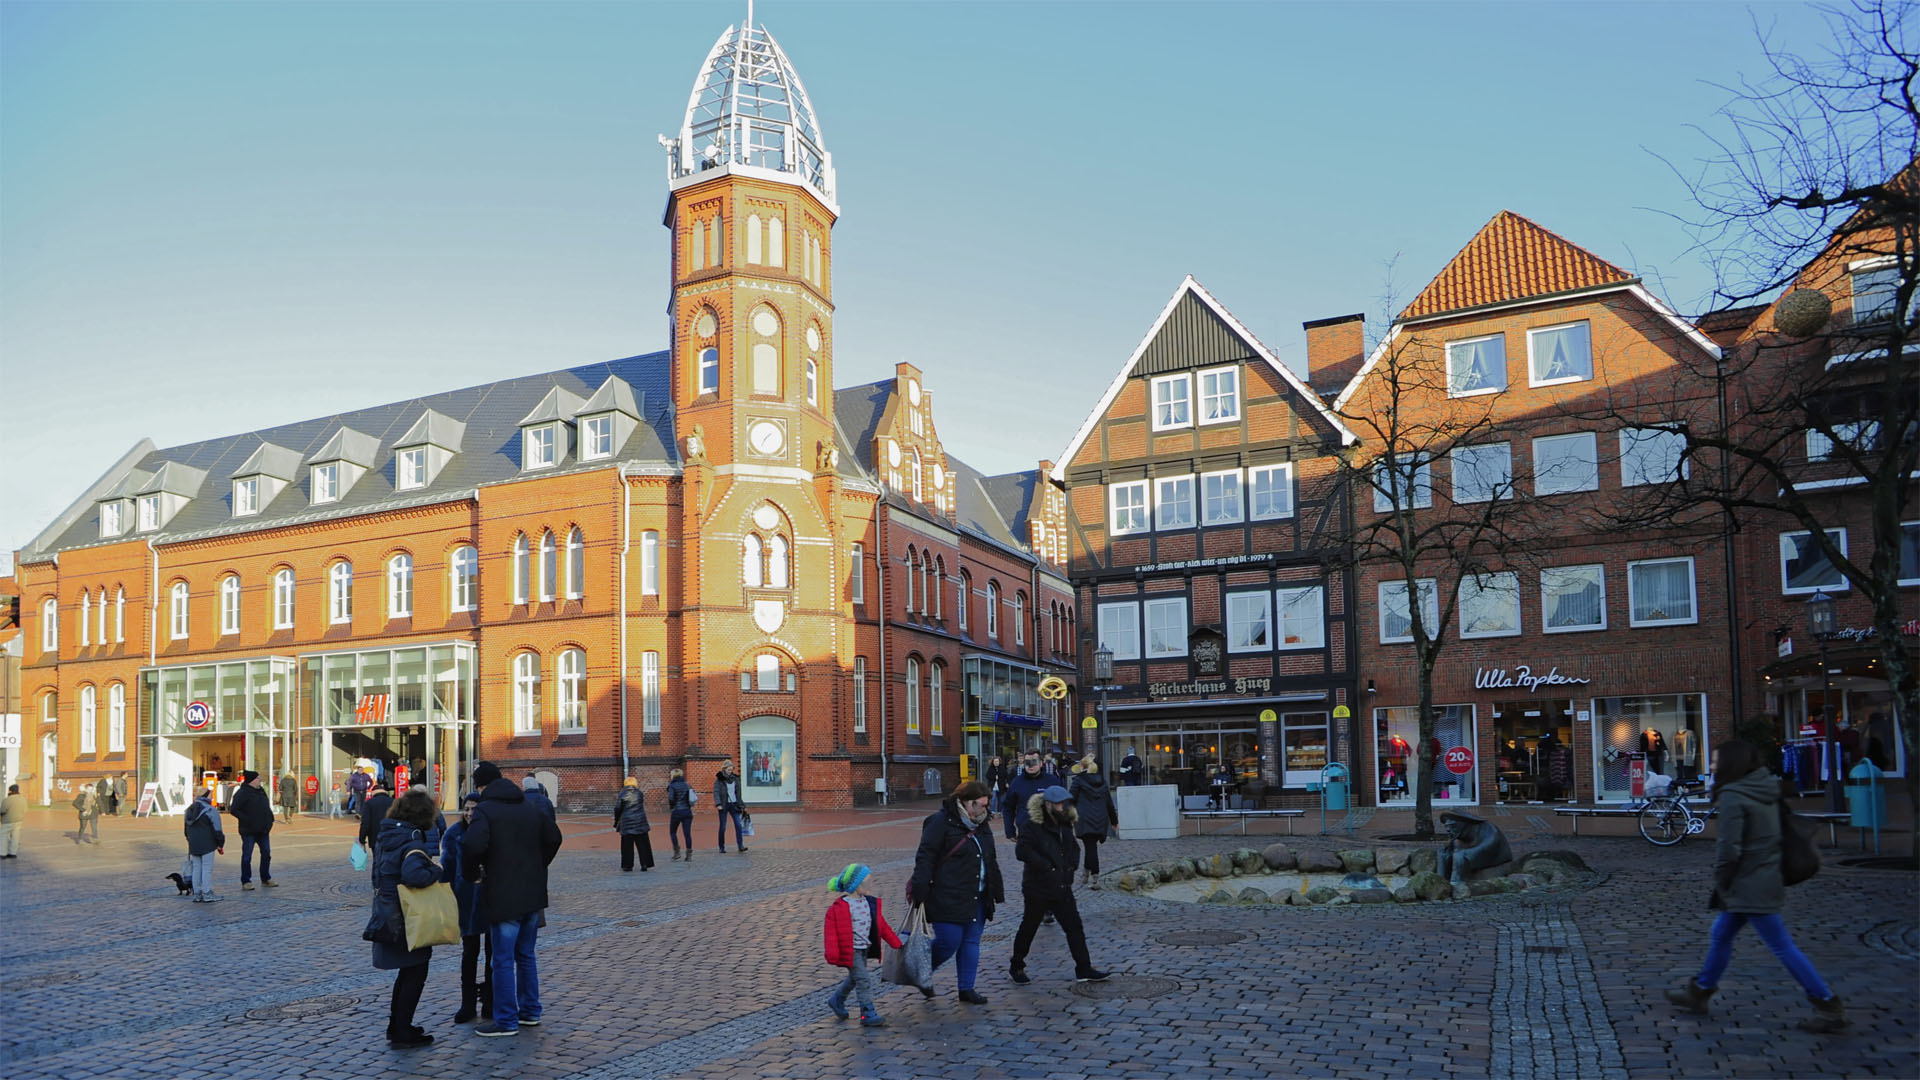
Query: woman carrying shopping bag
x,y
957,878
403,855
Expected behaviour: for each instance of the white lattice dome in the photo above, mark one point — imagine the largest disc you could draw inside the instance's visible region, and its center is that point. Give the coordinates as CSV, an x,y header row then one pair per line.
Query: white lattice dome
x,y
749,112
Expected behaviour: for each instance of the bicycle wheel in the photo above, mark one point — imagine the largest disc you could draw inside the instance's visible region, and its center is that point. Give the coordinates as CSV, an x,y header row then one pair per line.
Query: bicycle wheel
x,y
1663,824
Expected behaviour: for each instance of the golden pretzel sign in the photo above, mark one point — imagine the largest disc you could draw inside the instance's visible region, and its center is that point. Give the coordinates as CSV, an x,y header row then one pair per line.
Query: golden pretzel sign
x,y
1053,688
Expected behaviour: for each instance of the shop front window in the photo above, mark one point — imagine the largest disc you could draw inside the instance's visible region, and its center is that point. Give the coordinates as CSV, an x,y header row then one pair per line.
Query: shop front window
x,y
1667,732
1396,744
1303,747
1533,750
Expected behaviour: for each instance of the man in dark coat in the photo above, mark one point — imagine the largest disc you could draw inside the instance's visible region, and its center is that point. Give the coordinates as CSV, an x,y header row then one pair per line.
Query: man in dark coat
x,y
1133,771
289,795
507,847
253,815
373,810
1020,790
1050,855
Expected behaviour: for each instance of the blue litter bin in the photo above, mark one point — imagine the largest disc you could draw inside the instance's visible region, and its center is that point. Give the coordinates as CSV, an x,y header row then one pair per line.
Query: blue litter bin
x,y
1866,796
1333,780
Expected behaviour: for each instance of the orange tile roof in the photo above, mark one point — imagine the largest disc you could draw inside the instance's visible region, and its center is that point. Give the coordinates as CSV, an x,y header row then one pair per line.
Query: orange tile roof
x,y
1511,258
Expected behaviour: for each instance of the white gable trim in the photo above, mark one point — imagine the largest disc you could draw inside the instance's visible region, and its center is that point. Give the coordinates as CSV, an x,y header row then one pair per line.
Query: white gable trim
x,y
1187,285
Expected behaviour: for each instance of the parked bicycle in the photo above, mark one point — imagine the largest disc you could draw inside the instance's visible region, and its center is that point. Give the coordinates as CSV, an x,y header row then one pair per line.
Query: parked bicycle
x,y
1667,819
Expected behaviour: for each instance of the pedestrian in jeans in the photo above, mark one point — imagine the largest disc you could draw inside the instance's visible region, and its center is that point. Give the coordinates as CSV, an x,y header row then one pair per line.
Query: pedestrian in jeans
x,y
507,847
205,839
680,798
726,799
956,877
855,929
1748,888
253,816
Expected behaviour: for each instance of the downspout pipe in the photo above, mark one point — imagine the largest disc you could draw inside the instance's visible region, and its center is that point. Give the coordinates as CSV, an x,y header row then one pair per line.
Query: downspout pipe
x,y
880,551
626,544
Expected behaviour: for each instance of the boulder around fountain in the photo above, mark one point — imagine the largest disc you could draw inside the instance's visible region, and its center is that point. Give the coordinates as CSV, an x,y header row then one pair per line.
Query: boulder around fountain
x,y
1319,876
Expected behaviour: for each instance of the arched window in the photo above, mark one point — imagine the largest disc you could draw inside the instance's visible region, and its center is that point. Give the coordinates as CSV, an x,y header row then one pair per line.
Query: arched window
x,y
89,718
1019,618
117,719
765,676
753,239
993,609
964,598
929,598
939,584
400,586
576,564
283,599
813,382
102,635
549,565
936,687
765,355
776,243
521,573
340,593
50,709
650,563
526,694
119,615
919,494
697,247
230,604
709,370
177,611
86,618
572,669
50,626
778,572
913,576
716,240
913,696
463,579
751,570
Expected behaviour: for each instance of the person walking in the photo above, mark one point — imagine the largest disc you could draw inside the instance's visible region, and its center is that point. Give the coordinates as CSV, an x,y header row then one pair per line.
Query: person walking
x,y
630,821
508,844
680,812
996,776
408,831
537,795
288,789
1093,804
118,796
726,799
87,803
358,784
1027,783
956,878
854,930
13,819
1748,888
253,817
473,928
205,839
1047,849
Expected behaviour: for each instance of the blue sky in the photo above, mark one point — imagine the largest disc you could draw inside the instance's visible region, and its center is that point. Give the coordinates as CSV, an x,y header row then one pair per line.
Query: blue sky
x,y
216,217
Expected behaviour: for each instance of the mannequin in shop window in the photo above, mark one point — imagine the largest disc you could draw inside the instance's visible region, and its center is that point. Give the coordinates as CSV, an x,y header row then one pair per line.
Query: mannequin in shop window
x,y
1654,745
1686,755
1559,759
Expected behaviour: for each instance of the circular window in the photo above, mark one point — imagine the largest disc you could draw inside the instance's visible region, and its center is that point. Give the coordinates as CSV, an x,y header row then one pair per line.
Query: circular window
x,y
913,391
766,516
813,337
765,324
705,325
939,477
893,452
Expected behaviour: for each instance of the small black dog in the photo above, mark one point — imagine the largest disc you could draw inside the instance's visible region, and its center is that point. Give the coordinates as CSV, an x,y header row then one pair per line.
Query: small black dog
x,y
181,883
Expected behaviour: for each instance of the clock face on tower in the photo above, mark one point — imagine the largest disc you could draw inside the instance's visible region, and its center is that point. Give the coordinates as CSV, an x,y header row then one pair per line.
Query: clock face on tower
x,y
766,437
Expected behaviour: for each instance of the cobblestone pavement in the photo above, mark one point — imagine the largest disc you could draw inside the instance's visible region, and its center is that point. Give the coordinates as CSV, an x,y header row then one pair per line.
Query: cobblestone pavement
x,y
713,969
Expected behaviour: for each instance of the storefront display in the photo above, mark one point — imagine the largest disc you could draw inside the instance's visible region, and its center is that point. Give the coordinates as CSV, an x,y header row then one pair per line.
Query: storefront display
x,y
1533,750
1666,732
390,708
1396,731
1193,754
1004,712
221,719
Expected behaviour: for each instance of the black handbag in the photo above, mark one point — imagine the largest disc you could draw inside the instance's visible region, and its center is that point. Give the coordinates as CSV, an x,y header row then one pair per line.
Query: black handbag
x,y
1799,860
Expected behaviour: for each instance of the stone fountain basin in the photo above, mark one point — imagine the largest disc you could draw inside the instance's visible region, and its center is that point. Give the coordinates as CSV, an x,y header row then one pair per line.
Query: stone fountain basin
x,y
1279,875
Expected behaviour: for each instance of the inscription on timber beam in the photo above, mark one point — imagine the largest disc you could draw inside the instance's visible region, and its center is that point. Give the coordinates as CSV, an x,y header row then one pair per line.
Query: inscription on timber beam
x,y
1210,686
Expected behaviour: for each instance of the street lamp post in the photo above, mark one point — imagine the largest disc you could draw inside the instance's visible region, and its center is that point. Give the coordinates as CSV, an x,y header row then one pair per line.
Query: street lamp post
x,y
1820,624
1102,675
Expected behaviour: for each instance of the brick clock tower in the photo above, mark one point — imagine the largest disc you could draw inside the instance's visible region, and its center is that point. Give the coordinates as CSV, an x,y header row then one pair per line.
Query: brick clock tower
x,y
763,633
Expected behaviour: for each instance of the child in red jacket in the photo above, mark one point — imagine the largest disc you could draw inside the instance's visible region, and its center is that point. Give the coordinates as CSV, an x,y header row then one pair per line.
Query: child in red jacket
x,y
855,929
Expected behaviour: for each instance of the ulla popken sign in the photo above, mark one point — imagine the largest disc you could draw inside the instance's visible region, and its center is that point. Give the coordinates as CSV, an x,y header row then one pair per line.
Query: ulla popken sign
x,y
1522,676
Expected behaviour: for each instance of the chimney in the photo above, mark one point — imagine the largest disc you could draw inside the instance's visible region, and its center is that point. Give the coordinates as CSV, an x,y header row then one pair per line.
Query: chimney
x,y
1336,348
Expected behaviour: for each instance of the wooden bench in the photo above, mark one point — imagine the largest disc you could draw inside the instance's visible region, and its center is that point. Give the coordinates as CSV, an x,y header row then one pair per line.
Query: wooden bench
x,y
1243,815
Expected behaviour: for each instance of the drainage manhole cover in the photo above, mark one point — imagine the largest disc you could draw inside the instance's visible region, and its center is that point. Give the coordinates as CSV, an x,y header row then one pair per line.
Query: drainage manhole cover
x,y
52,978
1899,938
294,1010
1127,986
1200,937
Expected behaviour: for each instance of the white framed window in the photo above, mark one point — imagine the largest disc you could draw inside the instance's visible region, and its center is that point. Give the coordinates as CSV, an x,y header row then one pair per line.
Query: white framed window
x,y
1173,502
1875,291
966,597
993,609
766,670
526,694
857,575
410,468
549,566
117,719
463,579
1401,484
522,566
340,593
1303,747
113,518
89,720
571,670
1909,553
400,586
103,617
649,563
596,439
230,604
1166,620
1019,618
1573,598
859,695
119,615
753,569
1303,617
1270,492
576,564
1396,617
1120,629
813,381
650,692
1249,621
246,497
913,696
913,577
50,626
542,447
86,617
1477,365
1660,592
1559,354
148,507
1220,497
1482,473
1490,605
1220,395
1804,566
1127,507
283,599
177,610
325,482
778,573
709,371
1172,402
1566,463
1859,435
936,691
1652,456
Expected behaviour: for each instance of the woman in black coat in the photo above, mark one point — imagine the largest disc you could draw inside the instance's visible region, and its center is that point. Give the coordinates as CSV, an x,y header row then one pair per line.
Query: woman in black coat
x,y
957,878
403,855
1093,800
630,820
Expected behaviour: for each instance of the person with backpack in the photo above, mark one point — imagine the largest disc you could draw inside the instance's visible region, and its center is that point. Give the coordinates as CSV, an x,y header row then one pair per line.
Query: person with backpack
x,y
680,799
1748,886
205,838
956,877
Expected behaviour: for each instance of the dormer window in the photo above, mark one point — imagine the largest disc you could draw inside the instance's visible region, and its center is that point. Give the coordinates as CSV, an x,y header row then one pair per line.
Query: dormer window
x,y
326,483
597,439
541,442
113,518
410,469
246,496
149,510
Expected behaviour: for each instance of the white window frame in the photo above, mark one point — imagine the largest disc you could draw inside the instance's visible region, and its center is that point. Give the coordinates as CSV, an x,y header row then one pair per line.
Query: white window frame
x,y
1278,478
1864,268
1586,481
340,593
570,672
147,509
649,563
1429,592
813,381
1416,485
709,370
1858,435
542,449
522,567
1139,511
1693,588
410,468
936,689
993,610
1466,460
1533,356
178,599
463,579
1599,574
1162,605
857,575
400,586
1908,528
1313,634
753,566
283,599
548,566
323,481
1638,450
1161,502
576,559
1453,381
859,695
1109,617
526,693
1247,609
113,518
230,604
117,718
596,438
913,696
779,566
89,723
1231,394
246,496
766,673
119,615
966,597
650,692
1183,400
86,617
1841,585
102,625
1476,588
1225,480
50,626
